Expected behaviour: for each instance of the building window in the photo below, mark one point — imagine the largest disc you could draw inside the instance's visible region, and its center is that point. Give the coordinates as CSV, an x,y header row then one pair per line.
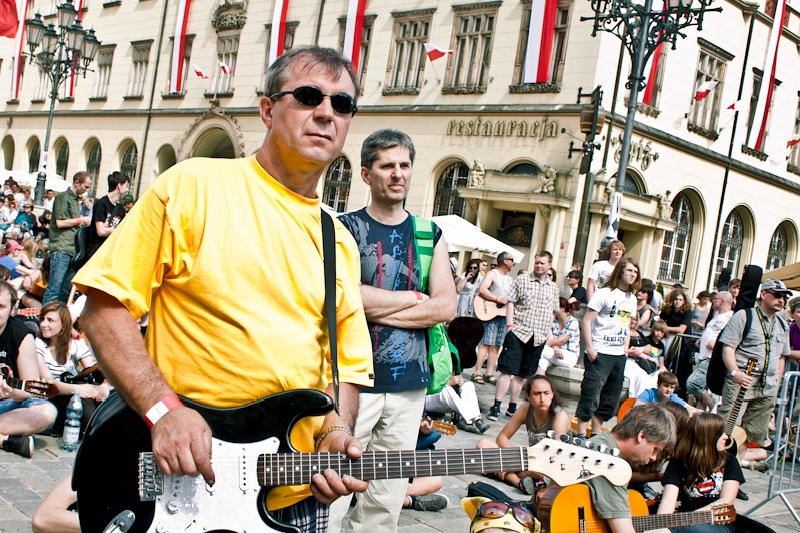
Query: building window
x,y
651,96
730,244
227,52
62,160
129,161
138,74
404,73
524,169
675,249
366,41
559,45
704,114
33,159
631,185
794,156
468,68
448,201
752,136
93,164
187,56
105,56
288,43
44,85
337,184
776,257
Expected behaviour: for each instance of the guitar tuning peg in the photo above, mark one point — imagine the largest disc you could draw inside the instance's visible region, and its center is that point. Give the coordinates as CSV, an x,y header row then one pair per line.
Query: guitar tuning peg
x,y
564,438
589,445
602,448
577,441
551,434
615,452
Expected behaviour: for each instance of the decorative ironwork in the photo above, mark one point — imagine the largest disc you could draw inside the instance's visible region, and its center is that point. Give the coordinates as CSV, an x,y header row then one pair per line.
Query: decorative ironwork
x,y
93,164
448,201
62,160
776,257
337,184
33,160
130,160
730,244
675,250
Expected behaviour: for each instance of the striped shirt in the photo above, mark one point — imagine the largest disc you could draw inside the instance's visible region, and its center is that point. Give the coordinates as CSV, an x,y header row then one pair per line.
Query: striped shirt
x,y
534,302
570,328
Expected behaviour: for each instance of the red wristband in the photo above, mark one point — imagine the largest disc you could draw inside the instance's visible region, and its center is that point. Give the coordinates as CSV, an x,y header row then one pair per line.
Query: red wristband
x,y
419,296
496,299
167,404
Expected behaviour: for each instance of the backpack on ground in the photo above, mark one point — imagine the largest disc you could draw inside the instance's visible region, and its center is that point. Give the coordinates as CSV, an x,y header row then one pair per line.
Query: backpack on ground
x,y
443,358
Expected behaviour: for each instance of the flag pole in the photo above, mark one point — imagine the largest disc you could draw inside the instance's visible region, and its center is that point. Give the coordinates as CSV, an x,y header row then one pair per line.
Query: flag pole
x,y
438,81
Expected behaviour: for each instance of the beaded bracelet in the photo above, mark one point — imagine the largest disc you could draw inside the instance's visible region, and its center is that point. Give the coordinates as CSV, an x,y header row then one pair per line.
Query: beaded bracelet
x,y
327,432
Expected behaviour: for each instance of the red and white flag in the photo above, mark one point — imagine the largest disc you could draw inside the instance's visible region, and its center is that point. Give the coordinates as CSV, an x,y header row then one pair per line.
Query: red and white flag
x,y
705,88
353,31
179,47
224,68
540,41
738,105
759,127
18,42
8,18
200,73
794,140
649,90
434,52
278,35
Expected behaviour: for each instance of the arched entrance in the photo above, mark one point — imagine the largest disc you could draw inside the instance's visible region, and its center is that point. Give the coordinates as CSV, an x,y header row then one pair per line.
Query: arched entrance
x,y
214,142
8,153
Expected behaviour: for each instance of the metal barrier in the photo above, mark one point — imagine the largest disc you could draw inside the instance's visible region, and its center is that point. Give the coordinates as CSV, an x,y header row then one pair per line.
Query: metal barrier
x,y
785,473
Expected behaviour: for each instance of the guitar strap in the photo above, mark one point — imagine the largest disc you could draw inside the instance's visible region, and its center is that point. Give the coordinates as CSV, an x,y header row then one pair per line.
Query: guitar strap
x,y
329,259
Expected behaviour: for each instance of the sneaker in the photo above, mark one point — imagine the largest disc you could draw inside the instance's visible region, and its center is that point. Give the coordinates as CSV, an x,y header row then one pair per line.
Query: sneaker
x,y
758,466
527,485
429,502
494,413
20,445
481,425
742,495
469,427
510,413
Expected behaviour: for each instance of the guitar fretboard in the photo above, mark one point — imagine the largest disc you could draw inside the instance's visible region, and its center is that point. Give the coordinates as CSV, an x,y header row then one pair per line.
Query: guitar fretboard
x,y
15,383
658,521
737,404
298,468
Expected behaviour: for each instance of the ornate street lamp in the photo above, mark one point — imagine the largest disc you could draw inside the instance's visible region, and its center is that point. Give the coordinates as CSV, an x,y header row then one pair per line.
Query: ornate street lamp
x,y
641,30
68,49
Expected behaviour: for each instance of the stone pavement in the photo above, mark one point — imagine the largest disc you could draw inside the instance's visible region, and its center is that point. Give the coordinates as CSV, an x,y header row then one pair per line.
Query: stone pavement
x,y
25,482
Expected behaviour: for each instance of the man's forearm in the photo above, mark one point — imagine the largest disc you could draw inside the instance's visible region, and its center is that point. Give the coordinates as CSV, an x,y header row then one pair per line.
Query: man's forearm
x,y
729,358
118,345
426,314
381,302
348,407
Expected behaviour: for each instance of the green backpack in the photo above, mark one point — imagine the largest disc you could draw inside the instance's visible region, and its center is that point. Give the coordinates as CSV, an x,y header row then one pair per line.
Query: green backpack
x,y
443,357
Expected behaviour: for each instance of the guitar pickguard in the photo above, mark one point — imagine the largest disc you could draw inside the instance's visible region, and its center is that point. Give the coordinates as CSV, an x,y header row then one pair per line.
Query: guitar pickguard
x,y
188,504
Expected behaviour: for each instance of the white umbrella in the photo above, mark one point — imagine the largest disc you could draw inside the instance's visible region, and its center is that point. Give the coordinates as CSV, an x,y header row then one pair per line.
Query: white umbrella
x,y
28,179
464,236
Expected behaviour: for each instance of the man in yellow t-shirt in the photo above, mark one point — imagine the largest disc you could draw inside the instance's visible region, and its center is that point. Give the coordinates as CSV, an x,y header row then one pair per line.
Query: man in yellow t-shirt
x,y
230,323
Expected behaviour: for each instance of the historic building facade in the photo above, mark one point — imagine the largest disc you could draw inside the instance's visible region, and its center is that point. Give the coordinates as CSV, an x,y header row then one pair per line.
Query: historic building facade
x,y
492,146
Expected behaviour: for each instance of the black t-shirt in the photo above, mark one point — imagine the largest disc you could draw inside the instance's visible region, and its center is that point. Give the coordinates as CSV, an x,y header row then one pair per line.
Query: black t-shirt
x,y
580,295
104,211
12,336
674,319
708,489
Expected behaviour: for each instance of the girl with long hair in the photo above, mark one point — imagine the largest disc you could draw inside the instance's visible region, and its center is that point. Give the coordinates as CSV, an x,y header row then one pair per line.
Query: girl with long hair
x,y
540,413
65,359
701,474
563,343
467,286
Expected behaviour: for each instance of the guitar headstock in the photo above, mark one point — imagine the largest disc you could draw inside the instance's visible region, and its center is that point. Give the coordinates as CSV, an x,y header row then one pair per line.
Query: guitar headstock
x,y
568,464
41,388
445,428
723,514
752,366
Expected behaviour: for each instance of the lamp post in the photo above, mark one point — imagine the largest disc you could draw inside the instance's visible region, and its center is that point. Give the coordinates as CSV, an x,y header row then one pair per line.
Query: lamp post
x,y
68,49
641,30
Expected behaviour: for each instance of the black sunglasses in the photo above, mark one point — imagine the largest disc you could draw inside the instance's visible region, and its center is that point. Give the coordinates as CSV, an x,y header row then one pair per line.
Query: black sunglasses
x,y
312,97
496,509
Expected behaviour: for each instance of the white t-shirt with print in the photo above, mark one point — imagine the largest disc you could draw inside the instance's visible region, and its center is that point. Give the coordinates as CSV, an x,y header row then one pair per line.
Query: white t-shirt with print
x,y
610,328
600,272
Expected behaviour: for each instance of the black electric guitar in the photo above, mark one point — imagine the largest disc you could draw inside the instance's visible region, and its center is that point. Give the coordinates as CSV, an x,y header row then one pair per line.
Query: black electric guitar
x,y
116,474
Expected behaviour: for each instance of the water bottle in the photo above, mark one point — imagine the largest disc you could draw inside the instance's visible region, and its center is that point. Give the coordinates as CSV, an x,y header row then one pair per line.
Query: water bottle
x,y
72,426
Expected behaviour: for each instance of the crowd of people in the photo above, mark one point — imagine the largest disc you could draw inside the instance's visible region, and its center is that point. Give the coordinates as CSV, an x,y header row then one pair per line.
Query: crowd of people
x,y
394,284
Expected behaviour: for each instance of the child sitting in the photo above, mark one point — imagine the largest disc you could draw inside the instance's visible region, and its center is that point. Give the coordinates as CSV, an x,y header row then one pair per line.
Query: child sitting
x,y
667,381
645,359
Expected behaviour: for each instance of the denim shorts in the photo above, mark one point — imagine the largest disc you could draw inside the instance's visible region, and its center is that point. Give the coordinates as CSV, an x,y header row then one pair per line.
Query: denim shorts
x,y
494,331
7,404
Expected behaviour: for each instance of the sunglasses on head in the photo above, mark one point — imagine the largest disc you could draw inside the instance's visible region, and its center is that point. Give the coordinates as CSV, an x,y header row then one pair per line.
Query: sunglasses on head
x,y
495,509
312,97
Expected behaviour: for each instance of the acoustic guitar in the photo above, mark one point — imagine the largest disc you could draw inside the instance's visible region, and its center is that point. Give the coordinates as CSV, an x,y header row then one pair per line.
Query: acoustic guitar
x,y
486,309
570,510
736,434
445,428
35,387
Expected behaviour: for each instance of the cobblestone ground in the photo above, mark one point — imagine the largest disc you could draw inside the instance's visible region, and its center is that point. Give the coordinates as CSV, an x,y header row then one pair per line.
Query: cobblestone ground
x,y
25,482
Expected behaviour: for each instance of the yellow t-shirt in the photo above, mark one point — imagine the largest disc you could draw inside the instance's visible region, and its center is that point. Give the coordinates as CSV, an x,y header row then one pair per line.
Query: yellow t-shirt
x,y
229,263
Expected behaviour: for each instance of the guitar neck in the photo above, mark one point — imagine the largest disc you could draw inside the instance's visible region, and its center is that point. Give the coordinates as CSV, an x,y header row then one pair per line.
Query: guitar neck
x,y
15,383
298,468
734,414
658,521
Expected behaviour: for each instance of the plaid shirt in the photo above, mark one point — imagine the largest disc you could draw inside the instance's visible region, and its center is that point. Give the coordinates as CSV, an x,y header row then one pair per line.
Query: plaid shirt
x,y
534,302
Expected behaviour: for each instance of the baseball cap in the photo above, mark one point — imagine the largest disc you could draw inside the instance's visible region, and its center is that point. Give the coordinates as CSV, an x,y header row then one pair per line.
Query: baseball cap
x,y
13,245
775,285
127,198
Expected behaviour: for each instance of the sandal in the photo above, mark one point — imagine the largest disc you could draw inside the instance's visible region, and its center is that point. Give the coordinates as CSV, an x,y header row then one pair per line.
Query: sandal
x,y
477,378
490,379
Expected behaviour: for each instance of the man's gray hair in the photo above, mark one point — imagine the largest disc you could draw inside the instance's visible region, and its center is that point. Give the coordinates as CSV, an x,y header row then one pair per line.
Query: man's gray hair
x,y
657,424
306,57
381,140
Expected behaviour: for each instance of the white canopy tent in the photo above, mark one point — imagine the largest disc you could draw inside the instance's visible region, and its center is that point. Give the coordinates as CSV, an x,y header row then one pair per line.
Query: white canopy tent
x,y
28,179
789,274
464,236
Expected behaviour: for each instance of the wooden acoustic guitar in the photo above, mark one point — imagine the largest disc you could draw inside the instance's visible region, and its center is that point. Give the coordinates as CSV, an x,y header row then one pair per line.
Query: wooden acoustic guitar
x,y
486,309
35,387
570,510
736,434
445,428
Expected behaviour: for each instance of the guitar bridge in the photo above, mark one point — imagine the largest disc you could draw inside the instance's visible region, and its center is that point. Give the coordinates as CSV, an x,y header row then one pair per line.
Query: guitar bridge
x,y
151,480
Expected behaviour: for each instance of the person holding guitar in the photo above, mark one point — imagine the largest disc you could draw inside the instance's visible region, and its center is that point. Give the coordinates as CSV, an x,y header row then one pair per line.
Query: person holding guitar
x,y
21,414
767,341
493,289
702,474
227,334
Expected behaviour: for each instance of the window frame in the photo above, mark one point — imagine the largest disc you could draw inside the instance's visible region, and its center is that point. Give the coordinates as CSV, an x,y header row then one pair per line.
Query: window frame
x,y
334,189
366,45
400,63
727,242
712,65
474,27
683,216
449,194
140,61
778,248
105,58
